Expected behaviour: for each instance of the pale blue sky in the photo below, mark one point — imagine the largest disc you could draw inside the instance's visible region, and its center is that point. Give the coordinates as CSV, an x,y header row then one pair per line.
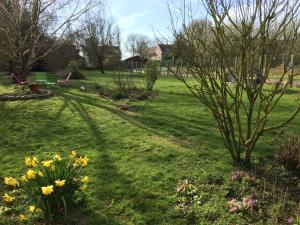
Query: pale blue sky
x,y
141,16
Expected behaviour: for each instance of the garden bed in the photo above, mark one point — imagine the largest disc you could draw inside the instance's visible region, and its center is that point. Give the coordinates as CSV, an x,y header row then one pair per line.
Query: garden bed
x,y
136,94
25,95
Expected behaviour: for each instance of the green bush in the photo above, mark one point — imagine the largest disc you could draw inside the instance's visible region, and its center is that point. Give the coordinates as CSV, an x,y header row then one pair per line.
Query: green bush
x,y
49,189
120,95
151,74
75,70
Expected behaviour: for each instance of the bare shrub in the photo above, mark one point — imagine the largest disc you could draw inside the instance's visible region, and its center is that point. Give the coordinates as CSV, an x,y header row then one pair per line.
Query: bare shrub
x,y
152,73
241,38
288,151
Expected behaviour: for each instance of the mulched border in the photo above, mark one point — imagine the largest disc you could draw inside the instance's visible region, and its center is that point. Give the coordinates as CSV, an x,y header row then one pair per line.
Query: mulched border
x,y
16,97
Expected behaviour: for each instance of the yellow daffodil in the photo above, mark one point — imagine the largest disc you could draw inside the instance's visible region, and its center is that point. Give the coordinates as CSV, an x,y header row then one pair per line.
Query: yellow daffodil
x,y
24,179
7,198
28,161
32,208
30,174
47,190
47,163
31,162
34,162
52,168
73,154
41,174
82,161
57,157
85,161
84,187
22,217
9,181
85,179
60,183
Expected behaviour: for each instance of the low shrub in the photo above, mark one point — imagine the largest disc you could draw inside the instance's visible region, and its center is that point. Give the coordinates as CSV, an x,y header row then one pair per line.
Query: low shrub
x,y
123,85
261,199
119,95
288,151
48,190
125,88
74,68
151,74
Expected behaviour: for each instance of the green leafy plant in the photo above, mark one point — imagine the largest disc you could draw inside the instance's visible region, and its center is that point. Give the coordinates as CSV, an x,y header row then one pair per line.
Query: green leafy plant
x,y
188,197
48,188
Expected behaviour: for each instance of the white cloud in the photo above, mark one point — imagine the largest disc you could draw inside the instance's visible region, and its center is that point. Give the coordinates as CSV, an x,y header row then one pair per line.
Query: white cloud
x,y
126,22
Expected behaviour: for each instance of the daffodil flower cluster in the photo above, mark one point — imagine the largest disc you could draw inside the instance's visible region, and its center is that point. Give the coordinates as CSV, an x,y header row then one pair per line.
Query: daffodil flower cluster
x,y
81,161
48,185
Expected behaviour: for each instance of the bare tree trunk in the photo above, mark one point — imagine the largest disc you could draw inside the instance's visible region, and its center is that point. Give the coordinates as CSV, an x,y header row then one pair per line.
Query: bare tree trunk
x,y
101,66
291,75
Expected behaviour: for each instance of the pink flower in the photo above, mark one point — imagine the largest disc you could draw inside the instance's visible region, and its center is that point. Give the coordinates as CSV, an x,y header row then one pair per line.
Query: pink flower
x,y
237,175
250,202
290,220
61,210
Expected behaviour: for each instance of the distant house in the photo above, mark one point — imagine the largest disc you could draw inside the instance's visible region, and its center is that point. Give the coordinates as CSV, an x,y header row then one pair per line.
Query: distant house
x,y
160,52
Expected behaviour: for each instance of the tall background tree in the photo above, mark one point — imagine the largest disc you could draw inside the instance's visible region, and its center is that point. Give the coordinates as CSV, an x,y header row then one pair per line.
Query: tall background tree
x,y
99,39
30,26
243,40
138,44
182,50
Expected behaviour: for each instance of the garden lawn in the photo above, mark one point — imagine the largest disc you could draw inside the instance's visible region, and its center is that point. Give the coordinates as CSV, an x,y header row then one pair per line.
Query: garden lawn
x,y
136,157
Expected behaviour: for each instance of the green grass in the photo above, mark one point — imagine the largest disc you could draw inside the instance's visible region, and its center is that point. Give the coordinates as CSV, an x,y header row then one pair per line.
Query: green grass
x,y
136,158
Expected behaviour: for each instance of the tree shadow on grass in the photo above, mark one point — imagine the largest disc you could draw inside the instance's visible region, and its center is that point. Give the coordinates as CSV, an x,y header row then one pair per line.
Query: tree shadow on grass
x,y
26,127
182,129
202,140
292,91
159,122
112,185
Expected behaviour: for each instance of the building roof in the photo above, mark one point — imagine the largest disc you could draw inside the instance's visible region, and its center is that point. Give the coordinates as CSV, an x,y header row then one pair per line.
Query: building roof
x,y
166,47
136,58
